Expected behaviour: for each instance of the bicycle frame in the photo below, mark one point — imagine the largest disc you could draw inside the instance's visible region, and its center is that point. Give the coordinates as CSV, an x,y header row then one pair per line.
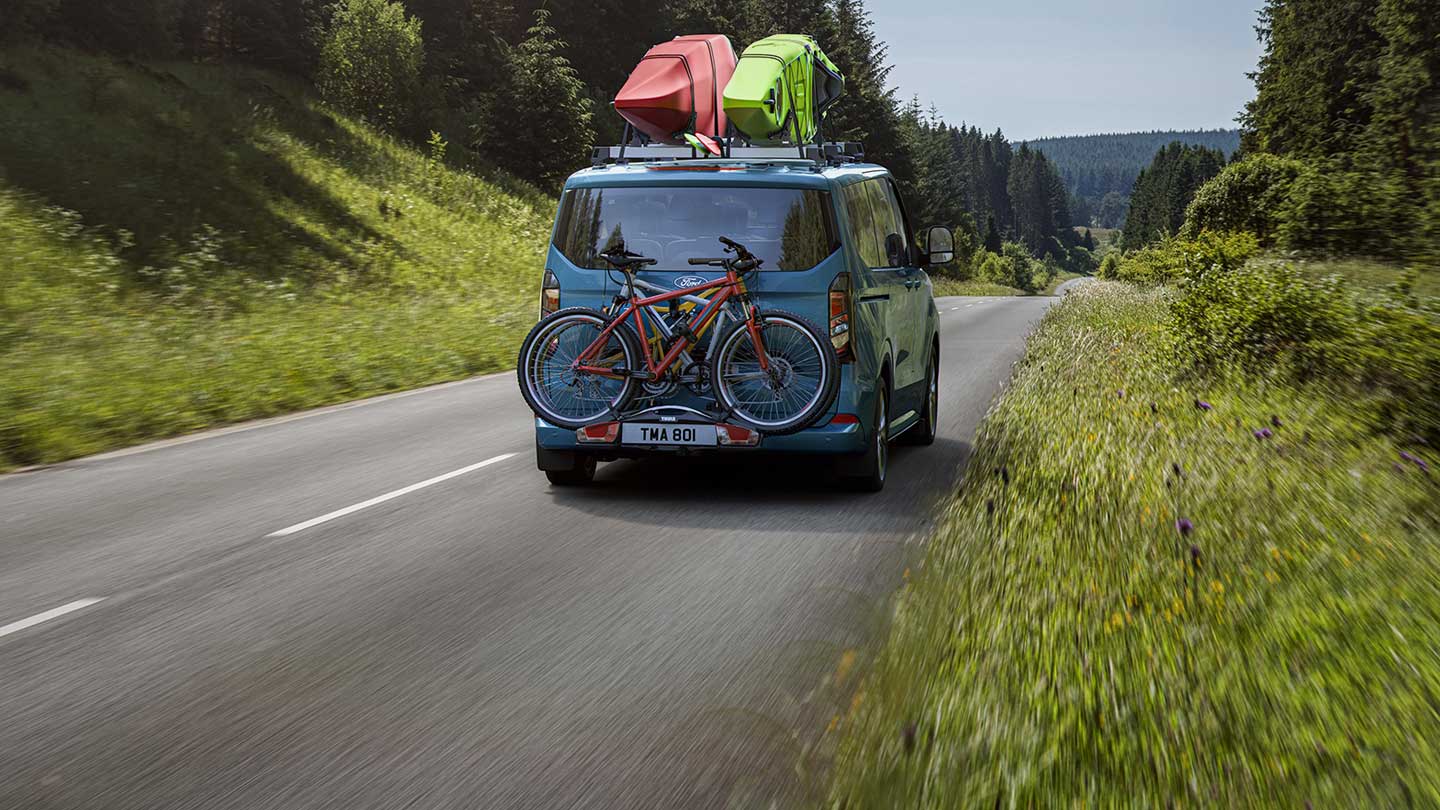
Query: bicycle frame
x,y
727,288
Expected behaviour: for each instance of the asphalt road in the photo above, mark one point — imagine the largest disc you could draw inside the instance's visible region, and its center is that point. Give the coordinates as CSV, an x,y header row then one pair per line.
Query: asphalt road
x,y
481,641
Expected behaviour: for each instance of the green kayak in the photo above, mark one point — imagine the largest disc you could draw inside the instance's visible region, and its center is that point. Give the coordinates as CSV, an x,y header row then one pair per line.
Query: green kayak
x,y
781,89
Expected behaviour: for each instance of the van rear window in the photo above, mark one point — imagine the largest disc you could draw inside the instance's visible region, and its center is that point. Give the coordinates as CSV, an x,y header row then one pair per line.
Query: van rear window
x,y
788,228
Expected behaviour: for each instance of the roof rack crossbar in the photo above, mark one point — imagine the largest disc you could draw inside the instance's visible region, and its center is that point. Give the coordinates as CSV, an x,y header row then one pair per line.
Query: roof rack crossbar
x,y
814,154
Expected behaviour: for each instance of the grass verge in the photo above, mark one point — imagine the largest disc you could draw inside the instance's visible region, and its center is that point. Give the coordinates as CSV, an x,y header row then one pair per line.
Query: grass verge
x,y
1134,600
948,286
188,245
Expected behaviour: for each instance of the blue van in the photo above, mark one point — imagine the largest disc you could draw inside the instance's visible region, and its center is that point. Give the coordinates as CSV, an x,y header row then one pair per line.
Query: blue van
x,y
833,245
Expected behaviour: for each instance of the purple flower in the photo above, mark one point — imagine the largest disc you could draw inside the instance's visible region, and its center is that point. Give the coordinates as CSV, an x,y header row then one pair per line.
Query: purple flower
x,y
1120,393
1154,408
1184,526
1263,433
1275,421
1203,405
1195,555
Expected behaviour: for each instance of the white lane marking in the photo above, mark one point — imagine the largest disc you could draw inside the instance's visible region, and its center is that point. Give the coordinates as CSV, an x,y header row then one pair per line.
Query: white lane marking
x,y
349,510
54,613
952,309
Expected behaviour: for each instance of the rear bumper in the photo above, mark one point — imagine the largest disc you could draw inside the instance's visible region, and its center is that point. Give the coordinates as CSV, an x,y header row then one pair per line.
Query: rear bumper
x,y
825,438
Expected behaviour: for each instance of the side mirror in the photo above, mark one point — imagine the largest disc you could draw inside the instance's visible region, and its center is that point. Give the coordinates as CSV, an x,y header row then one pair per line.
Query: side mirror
x,y
939,246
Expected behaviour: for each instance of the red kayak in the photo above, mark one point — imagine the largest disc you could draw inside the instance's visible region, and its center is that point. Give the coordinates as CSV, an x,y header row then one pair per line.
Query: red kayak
x,y
678,88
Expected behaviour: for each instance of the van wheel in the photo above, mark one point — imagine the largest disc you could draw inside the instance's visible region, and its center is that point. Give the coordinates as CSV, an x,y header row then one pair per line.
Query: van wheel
x,y
875,463
577,476
923,433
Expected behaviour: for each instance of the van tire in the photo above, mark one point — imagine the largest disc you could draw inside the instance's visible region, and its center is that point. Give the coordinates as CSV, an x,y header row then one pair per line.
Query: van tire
x,y
923,432
580,473
874,463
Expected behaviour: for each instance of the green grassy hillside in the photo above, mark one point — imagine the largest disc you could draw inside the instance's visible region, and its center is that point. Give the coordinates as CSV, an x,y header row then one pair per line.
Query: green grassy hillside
x,y
183,245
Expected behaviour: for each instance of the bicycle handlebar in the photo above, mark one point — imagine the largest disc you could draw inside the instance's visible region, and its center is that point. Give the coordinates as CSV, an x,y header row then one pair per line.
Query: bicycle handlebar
x,y
744,262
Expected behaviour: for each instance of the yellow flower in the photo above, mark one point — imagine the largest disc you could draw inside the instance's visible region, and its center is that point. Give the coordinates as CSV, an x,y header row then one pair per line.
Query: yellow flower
x,y
1216,586
1272,577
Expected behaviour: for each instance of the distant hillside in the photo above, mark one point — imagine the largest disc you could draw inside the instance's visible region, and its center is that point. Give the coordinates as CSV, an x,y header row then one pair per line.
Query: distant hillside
x,y
1094,166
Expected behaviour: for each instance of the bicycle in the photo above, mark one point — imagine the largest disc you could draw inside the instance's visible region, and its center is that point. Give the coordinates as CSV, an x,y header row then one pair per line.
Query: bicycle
x,y
771,369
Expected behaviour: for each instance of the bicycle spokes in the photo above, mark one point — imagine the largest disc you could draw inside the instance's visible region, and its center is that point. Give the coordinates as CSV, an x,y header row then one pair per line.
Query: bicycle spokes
x,y
558,384
788,381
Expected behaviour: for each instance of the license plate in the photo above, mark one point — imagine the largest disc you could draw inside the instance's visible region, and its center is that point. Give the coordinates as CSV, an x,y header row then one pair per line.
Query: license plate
x,y
677,434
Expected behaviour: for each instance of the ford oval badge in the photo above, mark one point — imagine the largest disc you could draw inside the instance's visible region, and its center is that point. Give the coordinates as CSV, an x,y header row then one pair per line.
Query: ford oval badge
x,y
689,281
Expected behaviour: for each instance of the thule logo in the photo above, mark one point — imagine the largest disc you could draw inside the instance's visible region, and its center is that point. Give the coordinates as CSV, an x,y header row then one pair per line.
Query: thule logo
x,y
689,281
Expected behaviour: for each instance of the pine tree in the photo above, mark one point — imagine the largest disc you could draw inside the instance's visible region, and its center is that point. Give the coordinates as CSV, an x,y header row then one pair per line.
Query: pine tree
x,y
551,130
993,242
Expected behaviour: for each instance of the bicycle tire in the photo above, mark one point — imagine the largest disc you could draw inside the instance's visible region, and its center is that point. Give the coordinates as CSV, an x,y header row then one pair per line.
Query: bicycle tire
x,y
550,328
727,348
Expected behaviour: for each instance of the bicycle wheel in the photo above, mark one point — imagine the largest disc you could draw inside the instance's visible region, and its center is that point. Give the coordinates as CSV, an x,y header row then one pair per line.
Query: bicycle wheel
x,y
559,394
797,388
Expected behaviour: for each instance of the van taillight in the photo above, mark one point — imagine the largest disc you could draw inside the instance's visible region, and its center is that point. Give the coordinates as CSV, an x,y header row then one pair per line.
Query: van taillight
x,y
840,316
549,294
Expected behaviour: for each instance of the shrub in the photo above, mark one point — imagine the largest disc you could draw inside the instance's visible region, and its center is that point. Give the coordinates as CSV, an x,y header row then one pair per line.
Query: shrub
x,y
1247,196
1270,318
1334,211
1018,269
1257,313
1173,258
1110,266
370,61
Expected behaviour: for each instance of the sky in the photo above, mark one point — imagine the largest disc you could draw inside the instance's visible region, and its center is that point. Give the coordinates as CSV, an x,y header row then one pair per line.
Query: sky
x,y
1055,67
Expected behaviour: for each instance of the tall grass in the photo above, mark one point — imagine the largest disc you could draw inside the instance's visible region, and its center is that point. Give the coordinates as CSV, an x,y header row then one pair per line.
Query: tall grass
x,y
182,245
1155,593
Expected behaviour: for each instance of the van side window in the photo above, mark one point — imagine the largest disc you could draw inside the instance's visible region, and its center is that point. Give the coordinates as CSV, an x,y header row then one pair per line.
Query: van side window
x,y
901,229
862,224
887,222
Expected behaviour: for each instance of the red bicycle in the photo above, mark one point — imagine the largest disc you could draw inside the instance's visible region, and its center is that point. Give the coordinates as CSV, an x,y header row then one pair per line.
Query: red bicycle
x,y
774,370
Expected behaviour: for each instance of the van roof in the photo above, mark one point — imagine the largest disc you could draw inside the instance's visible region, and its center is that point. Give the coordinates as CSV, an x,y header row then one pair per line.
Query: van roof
x,y
726,172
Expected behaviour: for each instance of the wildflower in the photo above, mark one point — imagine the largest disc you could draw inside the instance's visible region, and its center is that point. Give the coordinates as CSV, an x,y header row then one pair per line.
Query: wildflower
x,y
1005,475
1184,526
1203,405
1195,555
1275,421
1263,434
1120,393
1216,586
1154,408
989,507
1416,460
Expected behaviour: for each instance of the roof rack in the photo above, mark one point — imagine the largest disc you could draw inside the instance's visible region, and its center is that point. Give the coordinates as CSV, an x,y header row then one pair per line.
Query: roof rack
x,y
814,155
